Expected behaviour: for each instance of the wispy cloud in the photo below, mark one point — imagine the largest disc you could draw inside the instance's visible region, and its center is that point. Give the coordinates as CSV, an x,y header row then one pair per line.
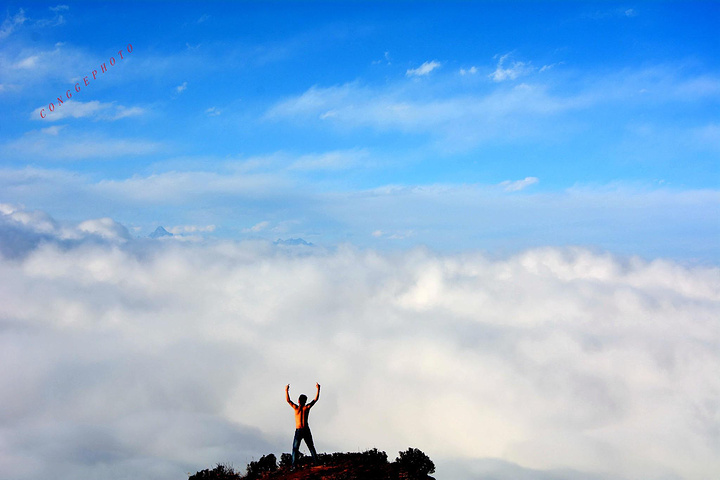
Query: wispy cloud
x,y
630,12
11,23
707,136
510,72
181,88
94,110
76,145
335,160
53,130
517,185
380,234
468,71
27,63
386,59
611,13
461,121
124,112
258,227
36,65
423,69
191,229
463,116
550,66
55,21
175,187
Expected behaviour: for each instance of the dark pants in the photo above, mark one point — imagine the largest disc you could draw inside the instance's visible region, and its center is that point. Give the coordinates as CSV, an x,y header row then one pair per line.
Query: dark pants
x,y
303,434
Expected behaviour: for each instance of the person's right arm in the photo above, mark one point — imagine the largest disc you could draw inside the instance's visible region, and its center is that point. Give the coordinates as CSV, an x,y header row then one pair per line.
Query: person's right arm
x,y
317,395
287,396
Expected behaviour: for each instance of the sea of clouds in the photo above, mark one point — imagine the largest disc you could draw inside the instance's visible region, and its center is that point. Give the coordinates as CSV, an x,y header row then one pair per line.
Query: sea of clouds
x,y
137,358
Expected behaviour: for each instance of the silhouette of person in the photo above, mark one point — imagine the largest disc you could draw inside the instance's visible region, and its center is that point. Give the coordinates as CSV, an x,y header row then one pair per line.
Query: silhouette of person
x,y
302,429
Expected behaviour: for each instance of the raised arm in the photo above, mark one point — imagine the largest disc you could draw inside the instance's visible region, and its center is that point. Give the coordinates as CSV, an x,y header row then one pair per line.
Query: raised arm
x,y
287,396
317,395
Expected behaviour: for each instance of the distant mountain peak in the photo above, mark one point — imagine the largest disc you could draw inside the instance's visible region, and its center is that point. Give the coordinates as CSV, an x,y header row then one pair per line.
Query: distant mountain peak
x,y
160,232
292,242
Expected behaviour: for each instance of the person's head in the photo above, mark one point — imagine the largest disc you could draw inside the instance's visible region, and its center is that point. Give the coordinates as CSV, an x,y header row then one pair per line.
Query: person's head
x,y
302,399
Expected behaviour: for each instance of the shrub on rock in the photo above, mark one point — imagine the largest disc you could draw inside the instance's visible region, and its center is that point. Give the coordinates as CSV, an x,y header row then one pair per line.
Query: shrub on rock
x,y
415,462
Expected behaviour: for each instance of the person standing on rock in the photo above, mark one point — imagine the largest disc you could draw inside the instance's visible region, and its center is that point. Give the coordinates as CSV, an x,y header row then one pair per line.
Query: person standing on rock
x,y
302,429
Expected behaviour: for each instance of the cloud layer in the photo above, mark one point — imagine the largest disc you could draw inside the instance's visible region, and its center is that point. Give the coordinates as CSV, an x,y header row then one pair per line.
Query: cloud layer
x,y
508,216
145,358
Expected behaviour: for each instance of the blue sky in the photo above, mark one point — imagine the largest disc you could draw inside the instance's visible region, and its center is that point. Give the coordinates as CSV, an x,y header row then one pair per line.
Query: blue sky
x,y
514,209
293,119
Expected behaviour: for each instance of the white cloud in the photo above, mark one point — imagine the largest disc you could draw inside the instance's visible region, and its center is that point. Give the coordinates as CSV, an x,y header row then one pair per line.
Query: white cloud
x,y
423,69
563,358
470,71
106,228
517,185
212,112
33,225
34,220
515,70
181,88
